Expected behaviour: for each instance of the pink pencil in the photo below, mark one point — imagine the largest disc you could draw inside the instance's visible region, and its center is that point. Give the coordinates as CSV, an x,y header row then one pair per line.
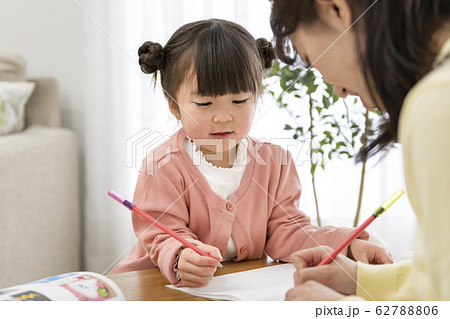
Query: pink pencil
x,y
134,208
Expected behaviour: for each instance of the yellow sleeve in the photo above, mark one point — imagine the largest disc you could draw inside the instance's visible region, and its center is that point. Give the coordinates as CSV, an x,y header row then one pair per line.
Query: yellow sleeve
x,y
425,133
383,282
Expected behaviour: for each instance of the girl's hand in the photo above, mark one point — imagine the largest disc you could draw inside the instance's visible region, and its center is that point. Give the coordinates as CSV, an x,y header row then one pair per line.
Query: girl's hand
x,y
196,270
339,275
313,290
369,253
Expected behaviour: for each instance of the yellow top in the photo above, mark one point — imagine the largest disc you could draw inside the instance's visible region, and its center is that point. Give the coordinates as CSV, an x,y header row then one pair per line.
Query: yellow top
x,y
424,131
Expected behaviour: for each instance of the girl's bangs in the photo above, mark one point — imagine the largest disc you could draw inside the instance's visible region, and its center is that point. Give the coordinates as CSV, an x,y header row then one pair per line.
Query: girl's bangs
x,y
225,66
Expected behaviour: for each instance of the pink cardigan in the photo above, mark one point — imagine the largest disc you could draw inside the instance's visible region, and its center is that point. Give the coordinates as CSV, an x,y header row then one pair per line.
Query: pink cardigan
x,y
262,216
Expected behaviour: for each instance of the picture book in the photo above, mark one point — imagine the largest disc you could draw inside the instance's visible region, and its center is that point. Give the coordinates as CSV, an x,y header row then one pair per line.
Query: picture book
x,y
82,286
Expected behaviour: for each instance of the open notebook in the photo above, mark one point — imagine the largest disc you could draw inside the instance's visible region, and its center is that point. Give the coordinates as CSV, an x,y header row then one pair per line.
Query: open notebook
x,y
269,283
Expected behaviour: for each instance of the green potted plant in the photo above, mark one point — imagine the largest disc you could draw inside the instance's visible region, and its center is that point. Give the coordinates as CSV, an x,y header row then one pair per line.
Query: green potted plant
x,y
333,127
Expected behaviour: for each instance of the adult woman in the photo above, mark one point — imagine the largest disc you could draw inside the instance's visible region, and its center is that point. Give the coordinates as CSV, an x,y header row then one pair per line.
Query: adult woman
x,y
395,55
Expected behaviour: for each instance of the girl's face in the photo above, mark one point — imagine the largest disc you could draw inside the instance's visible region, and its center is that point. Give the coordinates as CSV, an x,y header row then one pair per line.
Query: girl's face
x,y
329,44
216,124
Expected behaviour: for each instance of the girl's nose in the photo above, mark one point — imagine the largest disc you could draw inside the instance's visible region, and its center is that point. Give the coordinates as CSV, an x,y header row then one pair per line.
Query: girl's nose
x,y
222,117
340,91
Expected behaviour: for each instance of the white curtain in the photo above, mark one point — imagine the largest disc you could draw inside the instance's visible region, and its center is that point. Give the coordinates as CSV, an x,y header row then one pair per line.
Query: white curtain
x,y
127,117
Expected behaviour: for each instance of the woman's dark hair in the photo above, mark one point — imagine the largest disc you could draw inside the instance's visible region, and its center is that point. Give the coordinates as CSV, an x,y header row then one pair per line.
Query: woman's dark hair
x,y
398,52
224,56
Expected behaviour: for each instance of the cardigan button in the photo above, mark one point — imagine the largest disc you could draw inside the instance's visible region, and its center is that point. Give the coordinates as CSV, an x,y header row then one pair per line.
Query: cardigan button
x,y
244,250
229,206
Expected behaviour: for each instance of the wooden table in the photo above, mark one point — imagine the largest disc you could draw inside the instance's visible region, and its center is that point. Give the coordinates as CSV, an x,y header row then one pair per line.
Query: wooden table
x,y
150,284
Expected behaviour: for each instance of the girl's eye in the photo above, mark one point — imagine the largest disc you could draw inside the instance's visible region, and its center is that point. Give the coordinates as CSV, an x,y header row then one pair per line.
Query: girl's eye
x,y
240,101
203,104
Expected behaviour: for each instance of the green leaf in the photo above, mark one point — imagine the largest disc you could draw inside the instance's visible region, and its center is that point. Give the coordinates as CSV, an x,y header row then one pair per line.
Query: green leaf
x,y
291,88
335,98
312,89
308,78
283,84
376,111
313,168
286,74
329,88
287,127
325,101
336,125
346,153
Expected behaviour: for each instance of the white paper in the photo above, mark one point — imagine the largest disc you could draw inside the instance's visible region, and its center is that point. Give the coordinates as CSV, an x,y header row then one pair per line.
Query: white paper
x,y
269,283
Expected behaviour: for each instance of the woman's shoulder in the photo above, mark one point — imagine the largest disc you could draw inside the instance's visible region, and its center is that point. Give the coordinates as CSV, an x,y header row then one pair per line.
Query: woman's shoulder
x,y
436,80
428,102
436,83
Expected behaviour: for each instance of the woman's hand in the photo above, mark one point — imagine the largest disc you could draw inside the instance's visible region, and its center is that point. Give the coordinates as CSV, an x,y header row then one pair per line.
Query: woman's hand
x,y
339,275
196,270
369,253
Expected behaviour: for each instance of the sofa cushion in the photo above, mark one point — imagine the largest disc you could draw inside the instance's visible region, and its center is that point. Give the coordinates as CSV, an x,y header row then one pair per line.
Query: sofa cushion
x,y
13,97
12,67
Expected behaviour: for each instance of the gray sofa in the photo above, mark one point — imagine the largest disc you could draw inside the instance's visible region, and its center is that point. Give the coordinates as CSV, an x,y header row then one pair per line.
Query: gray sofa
x,y
39,188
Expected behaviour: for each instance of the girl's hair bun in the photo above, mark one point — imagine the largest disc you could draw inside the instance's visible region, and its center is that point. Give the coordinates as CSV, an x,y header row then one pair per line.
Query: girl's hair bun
x,y
151,57
266,51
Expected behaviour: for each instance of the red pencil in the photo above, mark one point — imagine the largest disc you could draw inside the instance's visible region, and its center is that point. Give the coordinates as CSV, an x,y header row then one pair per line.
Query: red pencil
x,y
134,208
363,226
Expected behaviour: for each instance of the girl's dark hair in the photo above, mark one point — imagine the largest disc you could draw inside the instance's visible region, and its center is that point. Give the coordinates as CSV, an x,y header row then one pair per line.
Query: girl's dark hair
x,y
396,35
223,55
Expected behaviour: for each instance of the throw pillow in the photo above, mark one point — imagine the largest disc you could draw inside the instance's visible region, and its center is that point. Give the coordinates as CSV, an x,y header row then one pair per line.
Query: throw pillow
x,y
13,97
12,67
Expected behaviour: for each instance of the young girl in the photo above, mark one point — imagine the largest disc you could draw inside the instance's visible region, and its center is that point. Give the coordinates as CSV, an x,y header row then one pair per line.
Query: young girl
x,y
396,56
232,195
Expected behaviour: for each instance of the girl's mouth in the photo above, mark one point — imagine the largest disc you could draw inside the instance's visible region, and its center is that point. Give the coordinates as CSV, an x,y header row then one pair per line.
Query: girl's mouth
x,y
221,135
